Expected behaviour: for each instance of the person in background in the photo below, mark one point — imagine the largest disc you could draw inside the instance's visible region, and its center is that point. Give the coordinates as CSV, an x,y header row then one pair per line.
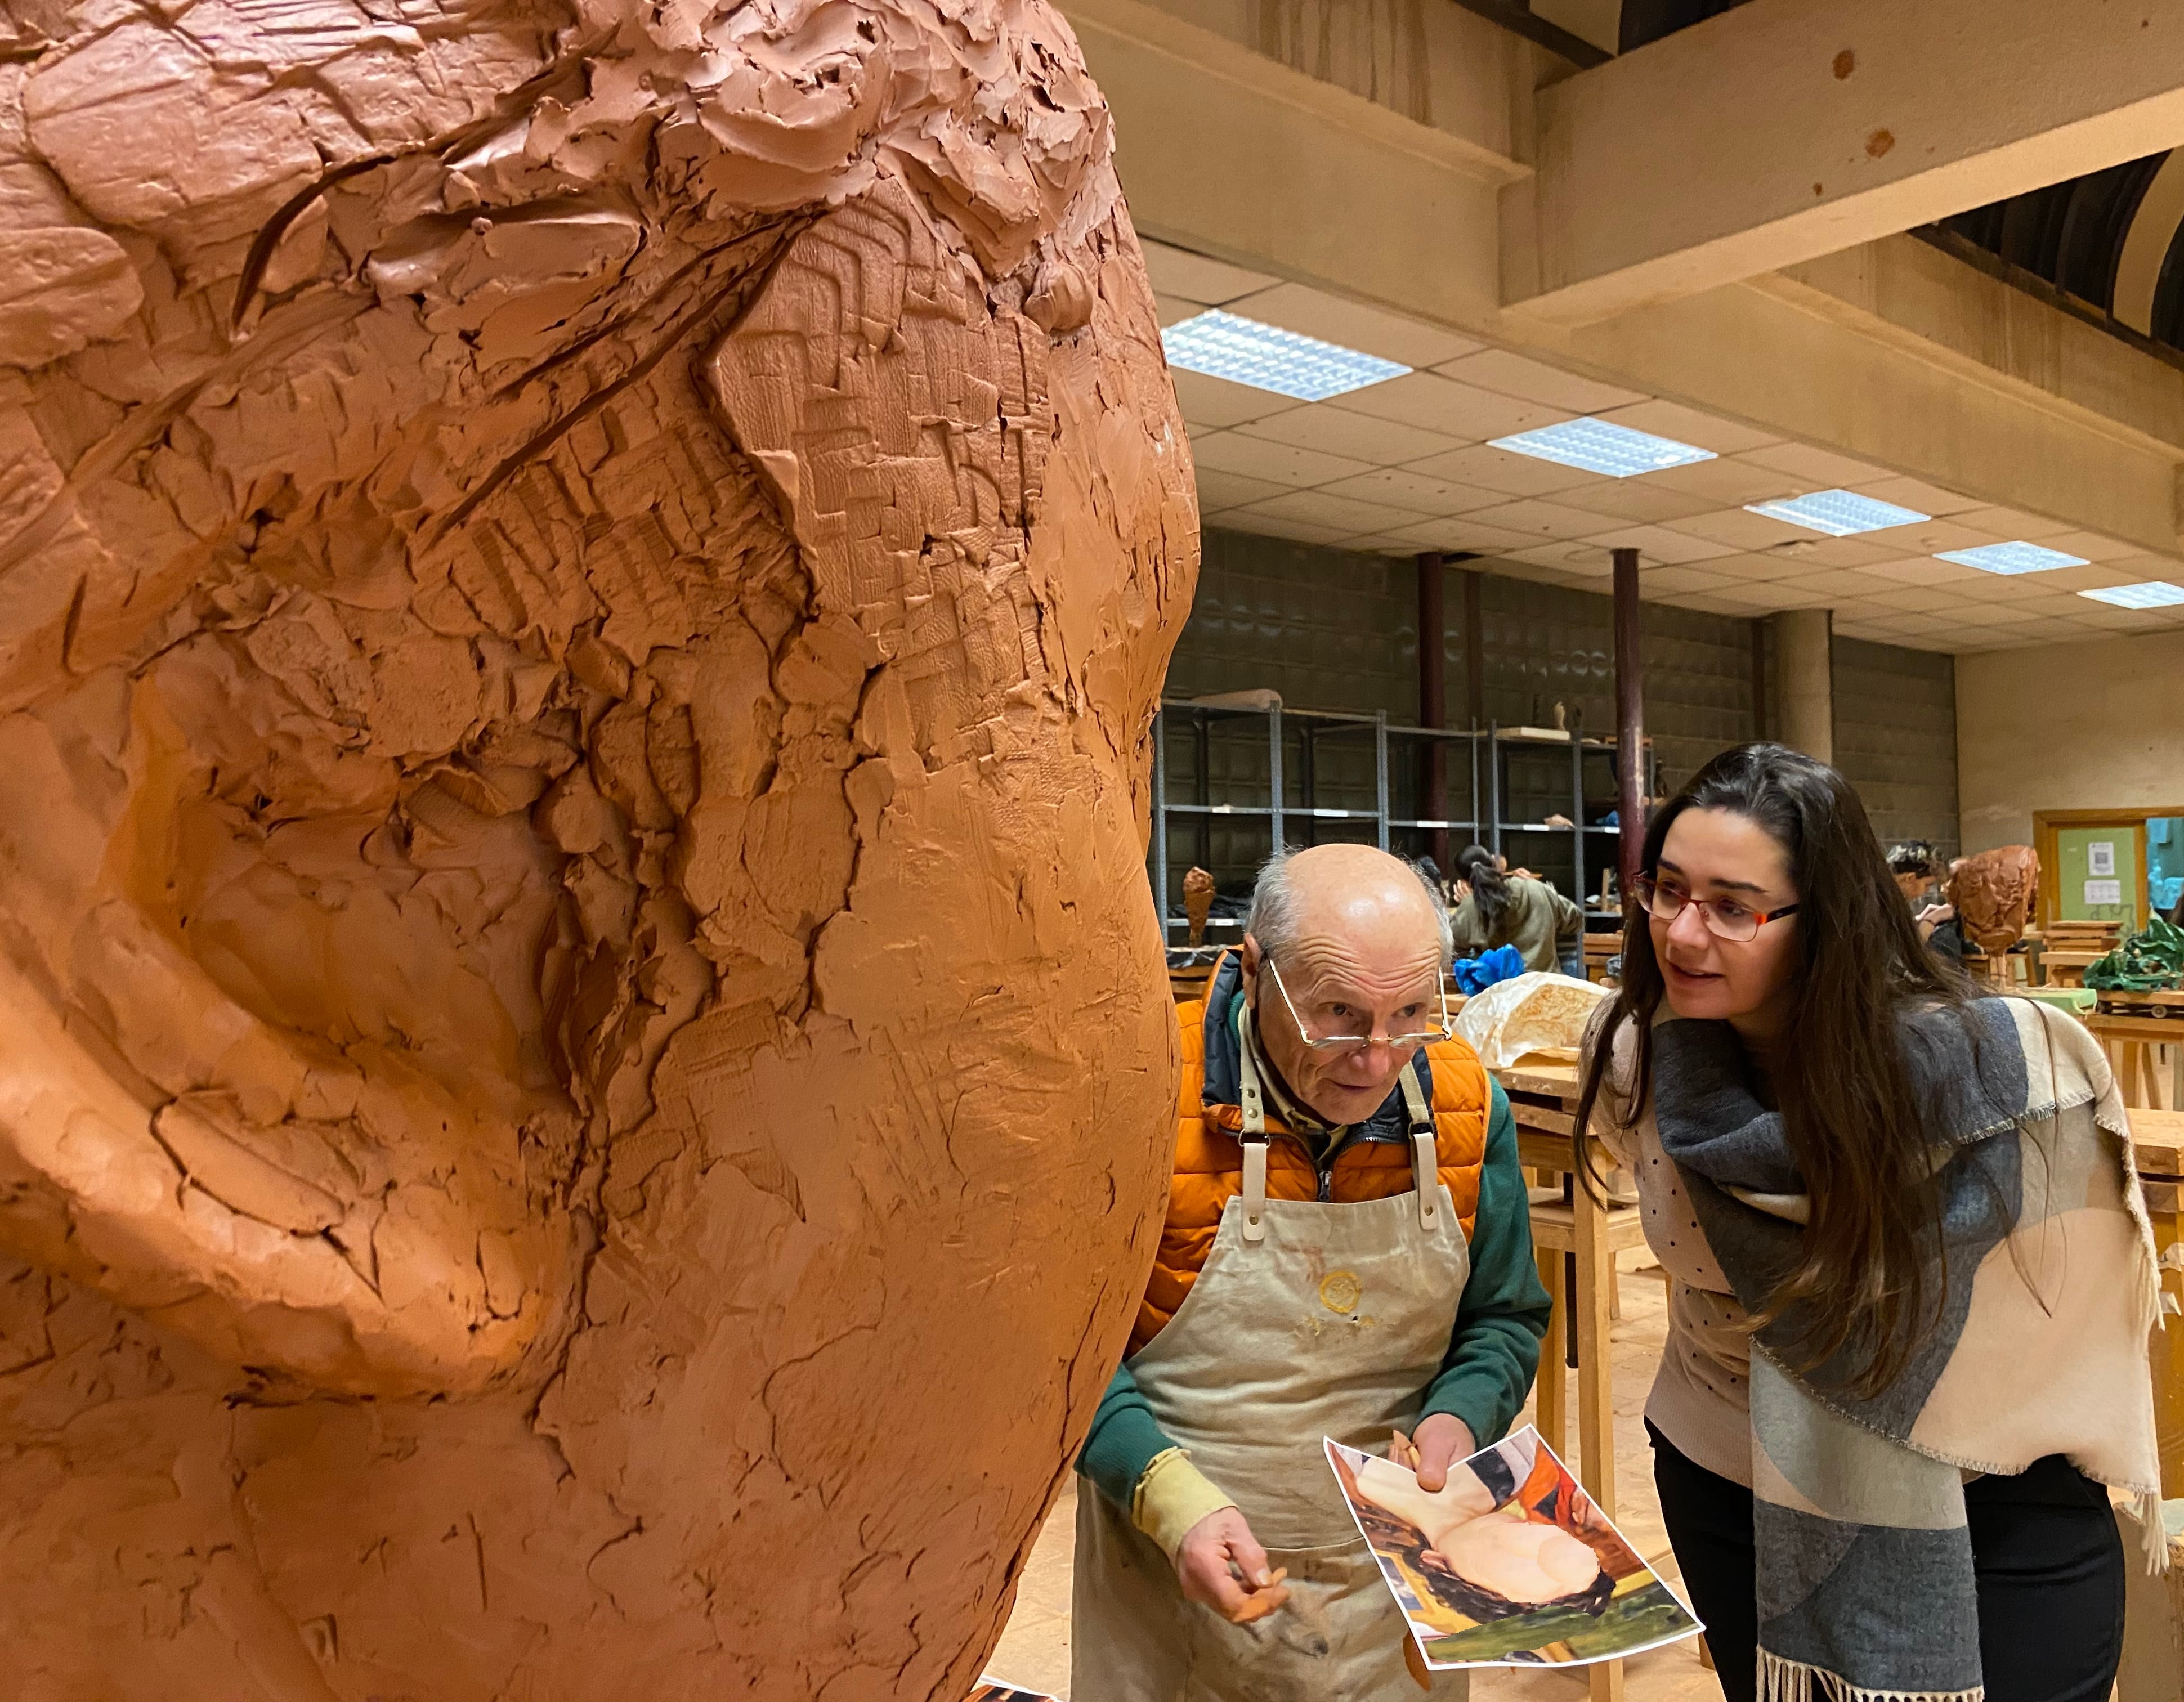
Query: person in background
x,y
1916,869
1500,909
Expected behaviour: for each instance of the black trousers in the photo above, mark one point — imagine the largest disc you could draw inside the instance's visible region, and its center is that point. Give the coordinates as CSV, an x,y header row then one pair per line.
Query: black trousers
x,y
2045,1547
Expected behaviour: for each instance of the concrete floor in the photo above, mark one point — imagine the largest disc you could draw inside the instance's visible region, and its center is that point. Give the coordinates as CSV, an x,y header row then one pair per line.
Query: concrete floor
x,y
1035,1650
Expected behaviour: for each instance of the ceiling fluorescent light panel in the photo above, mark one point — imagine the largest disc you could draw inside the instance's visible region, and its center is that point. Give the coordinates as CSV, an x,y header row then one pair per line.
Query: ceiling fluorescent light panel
x,y
1265,356
1839,513
1601,445
2152,593
2017,557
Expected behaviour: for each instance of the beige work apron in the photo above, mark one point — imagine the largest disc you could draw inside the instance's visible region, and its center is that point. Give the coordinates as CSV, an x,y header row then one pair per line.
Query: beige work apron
x,y
1308,1320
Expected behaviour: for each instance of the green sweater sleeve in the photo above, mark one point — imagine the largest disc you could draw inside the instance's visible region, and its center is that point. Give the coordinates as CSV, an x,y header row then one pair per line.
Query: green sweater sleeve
x,y
1494,1353
1125,1439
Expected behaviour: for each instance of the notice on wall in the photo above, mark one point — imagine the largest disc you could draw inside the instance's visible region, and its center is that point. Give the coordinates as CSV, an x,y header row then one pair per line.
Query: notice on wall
x,y
2100,859
2104,892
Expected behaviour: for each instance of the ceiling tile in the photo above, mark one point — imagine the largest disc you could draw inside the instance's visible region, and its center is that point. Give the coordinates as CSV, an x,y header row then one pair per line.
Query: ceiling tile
x,y
1354,519
2091,545
1404,489
1315,312
1173,309
1338,431
1679,580
1565,557
1216,403
1517,375
1441,405
1218,490
2148,567
1763,598
1659,544
1843,581
1460,531
1498,469
1837,552
1231,452
1912,493
1194,278
2008,524
1926,570
1929,538
1635,499
1740,530
1267,525
1917,599
1754,568
1727,484
1816,469
2098,576
1537,517
1672,419
1380,543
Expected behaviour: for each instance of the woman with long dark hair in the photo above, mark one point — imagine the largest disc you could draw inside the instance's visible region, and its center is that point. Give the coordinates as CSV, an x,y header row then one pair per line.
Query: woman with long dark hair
x,y
1906,1248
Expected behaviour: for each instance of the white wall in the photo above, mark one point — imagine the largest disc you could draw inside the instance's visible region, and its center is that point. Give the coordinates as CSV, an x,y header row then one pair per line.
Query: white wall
x,y
2067,727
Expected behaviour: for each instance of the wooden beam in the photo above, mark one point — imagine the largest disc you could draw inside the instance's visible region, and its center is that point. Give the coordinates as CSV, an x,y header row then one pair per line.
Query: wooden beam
x,y
1781,131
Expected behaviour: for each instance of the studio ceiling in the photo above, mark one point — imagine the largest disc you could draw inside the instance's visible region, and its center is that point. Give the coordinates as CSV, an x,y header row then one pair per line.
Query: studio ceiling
x,y
1405,465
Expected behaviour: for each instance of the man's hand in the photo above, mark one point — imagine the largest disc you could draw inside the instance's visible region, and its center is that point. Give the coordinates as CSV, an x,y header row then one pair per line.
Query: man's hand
x,y
1440,1441
1211,1555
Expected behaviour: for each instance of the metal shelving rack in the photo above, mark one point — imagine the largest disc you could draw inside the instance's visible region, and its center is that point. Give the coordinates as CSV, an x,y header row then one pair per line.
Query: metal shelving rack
x,y
1486,747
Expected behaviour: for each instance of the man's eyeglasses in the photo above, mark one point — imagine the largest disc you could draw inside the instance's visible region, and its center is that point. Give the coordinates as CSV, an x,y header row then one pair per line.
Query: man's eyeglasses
x,y
1725,918
1357,1043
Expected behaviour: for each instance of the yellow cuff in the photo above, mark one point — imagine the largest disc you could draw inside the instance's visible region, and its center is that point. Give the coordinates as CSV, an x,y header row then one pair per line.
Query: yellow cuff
x,y
1172,1497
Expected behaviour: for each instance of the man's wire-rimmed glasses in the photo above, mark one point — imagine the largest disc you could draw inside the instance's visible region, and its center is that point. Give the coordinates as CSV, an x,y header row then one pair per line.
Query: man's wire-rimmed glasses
x,y
1358,1043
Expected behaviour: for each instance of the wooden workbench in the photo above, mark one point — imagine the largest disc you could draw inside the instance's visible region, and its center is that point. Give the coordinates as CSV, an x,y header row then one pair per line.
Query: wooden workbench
x,y
2134,1045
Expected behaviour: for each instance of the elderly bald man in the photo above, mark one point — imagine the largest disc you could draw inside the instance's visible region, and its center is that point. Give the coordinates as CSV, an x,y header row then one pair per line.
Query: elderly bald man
x,y
1347,1251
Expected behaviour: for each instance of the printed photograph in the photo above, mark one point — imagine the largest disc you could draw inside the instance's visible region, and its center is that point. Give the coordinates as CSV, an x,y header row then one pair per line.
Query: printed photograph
x,y
993,1690
1510,1564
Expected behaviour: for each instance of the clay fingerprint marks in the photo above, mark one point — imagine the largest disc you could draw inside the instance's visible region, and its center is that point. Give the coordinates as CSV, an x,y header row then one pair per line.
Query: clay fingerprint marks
x,y
902,425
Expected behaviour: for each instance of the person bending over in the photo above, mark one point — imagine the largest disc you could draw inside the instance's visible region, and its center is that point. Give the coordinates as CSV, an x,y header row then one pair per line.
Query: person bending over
x,y
1501,908
1906,1249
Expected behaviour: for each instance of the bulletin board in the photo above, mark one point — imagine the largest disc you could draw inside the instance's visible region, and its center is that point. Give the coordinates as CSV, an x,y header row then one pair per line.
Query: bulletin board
x,y
2101,873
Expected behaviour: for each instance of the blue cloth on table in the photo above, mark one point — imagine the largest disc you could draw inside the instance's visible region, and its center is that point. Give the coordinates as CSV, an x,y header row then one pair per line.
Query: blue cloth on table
x,y
1476,974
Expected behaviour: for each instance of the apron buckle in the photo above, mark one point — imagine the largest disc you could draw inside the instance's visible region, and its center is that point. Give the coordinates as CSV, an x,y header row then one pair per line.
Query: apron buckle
x,y
1254,1189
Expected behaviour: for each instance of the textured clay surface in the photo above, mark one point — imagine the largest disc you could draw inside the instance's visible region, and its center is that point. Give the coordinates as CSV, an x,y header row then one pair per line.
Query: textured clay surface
x,y
585,1069
1996,894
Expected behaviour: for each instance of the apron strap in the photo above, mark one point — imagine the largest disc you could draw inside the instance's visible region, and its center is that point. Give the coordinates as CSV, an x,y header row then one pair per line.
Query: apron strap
x,y
1254,1188
1255,1150
1425,1166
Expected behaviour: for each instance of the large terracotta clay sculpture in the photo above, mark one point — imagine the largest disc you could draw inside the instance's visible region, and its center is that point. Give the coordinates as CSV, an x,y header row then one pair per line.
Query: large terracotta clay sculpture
x,y
585,1070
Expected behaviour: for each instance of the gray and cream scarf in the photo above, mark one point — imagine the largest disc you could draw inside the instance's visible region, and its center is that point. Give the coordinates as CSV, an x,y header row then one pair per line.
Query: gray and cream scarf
x,y
1866,1582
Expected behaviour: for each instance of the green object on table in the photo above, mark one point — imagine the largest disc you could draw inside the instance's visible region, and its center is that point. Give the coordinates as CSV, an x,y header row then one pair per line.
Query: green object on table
x,y
2149,960
2077,1000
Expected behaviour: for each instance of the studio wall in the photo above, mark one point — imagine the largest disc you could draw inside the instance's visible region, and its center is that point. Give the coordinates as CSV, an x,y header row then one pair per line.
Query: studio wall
x,y
2067,727
1330,629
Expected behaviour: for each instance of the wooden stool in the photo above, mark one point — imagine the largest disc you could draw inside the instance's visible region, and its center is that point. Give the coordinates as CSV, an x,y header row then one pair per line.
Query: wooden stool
x,y
1554,1236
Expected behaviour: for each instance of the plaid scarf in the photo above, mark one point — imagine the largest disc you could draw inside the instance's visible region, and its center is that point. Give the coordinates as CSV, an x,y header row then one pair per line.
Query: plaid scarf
x,y
1865,1583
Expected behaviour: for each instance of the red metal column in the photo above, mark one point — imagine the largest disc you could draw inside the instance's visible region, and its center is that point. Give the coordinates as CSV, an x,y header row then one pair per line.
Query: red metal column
x,y
1630,720
1433,697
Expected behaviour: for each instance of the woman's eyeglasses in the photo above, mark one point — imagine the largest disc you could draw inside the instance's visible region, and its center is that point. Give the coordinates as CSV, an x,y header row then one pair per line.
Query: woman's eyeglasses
x,y
1725,918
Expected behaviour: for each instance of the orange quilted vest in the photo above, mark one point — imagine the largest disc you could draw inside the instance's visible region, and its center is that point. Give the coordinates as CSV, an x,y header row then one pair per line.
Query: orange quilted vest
x,y
1209,1164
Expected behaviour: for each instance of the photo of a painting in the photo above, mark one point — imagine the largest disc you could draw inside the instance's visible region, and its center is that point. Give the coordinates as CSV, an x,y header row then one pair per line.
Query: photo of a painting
x,y
1510,1564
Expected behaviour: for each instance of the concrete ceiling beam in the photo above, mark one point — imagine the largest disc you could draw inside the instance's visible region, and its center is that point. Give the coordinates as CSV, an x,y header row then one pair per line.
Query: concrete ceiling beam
x,y
1782,130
